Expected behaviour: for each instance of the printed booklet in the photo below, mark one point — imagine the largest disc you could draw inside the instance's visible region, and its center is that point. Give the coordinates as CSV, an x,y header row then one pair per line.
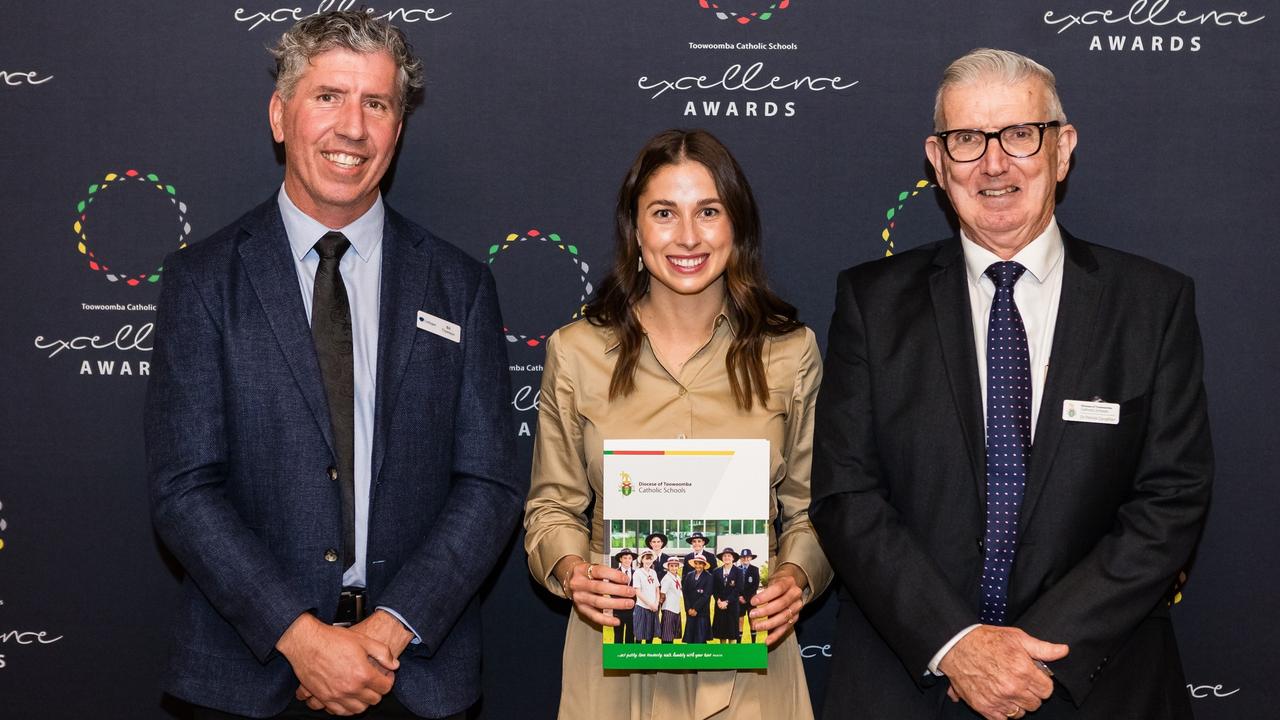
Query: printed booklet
x,y
685,519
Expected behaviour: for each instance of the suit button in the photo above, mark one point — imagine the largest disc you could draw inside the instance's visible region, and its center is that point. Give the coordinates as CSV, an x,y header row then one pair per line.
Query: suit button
x,y
331,555
333,473
682,392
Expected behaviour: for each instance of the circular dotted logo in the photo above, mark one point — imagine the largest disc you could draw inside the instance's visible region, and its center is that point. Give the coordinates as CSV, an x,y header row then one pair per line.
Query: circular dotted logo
x,y
742,18
96,192
550,240
891,214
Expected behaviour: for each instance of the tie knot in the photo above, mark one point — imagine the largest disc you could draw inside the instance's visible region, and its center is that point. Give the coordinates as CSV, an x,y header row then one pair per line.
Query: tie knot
x,y
332,245
1005,274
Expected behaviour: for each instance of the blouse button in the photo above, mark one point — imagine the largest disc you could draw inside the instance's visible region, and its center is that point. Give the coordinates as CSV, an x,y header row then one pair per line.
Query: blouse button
x,y
682,392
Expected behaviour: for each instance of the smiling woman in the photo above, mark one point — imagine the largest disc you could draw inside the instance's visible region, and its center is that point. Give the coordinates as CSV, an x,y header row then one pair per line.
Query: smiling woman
x,y
683,340
687,194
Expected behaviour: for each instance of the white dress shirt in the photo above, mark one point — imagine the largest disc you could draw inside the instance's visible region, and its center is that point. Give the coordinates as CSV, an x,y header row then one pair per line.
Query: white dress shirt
x,y
1036,294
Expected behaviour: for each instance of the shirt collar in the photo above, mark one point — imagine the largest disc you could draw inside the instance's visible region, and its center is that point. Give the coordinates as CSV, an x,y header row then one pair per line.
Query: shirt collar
x,y
365,232
1039,256
722,318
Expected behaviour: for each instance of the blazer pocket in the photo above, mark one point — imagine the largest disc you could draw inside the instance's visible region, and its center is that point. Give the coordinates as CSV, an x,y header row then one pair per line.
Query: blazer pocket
x,y
1133,406
435,349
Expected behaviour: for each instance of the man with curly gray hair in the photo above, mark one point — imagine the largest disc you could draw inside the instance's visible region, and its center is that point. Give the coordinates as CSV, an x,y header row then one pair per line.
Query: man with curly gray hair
x,y
326,424
355,31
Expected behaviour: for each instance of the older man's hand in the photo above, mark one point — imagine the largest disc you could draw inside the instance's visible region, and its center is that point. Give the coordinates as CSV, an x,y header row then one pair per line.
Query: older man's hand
x,y
993,670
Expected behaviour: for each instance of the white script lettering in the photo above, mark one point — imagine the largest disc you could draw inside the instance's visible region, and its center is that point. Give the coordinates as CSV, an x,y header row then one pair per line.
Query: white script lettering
x,y
735,79
294,14
28,77
126,338
526,399
1204,691
1143,12
28,637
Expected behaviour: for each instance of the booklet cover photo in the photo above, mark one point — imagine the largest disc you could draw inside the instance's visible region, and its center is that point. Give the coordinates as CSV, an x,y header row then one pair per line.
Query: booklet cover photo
x,y
685,520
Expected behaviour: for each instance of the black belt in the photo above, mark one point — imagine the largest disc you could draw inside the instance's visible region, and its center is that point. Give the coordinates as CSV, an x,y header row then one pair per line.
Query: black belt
x,y
351,607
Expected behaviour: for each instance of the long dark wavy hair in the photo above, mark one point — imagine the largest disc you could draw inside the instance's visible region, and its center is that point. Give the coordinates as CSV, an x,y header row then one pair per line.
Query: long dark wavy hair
x,y
755,311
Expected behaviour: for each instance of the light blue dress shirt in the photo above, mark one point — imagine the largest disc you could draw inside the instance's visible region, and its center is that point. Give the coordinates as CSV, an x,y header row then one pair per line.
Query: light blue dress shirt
x,y
361,268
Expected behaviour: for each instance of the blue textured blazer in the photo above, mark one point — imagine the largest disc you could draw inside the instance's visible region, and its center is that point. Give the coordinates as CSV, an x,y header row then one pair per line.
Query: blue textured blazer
x,y
239,442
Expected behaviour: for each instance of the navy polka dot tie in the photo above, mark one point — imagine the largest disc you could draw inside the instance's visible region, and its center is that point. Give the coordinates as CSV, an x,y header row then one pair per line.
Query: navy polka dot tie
x,y
1008,438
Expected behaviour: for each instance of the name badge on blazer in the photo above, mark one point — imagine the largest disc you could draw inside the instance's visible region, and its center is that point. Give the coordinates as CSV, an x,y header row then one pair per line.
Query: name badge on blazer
x,y
439,326
1091,411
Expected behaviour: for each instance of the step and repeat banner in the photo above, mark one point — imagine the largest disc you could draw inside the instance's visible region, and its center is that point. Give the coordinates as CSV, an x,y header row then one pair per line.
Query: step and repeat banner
x,y
133,128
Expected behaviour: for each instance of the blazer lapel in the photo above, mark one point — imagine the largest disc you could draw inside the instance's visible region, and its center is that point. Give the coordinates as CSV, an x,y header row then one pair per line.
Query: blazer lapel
x,y
271,271
1078,311
949,291
405,261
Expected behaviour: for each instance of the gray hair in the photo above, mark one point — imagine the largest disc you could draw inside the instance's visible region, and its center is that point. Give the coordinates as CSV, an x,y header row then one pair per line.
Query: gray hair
x,y
1002,66
353,30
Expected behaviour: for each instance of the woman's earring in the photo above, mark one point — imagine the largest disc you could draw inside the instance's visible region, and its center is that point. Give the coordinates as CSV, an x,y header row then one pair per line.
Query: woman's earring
x,y
639,263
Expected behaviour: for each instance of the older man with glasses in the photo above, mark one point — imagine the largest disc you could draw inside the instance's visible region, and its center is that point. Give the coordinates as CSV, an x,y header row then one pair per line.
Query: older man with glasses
x,y
1012,456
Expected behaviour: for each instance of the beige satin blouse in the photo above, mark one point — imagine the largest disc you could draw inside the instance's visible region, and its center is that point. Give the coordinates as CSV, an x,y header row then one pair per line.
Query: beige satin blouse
x,y
575,417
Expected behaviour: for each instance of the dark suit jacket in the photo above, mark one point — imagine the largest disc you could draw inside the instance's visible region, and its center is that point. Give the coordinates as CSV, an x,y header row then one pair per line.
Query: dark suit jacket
x,y
239,440
697,597
697,591
750,582
625,615
727,588
725,623
1110,512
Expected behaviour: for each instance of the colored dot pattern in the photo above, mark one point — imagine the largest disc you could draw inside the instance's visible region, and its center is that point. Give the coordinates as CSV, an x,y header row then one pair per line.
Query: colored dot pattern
x,y
551,240
1008,438
81,224
890,215
742,18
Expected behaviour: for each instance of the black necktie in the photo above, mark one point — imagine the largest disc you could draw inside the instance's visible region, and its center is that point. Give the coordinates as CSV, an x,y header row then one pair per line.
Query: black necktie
x,y
331,330
1008,438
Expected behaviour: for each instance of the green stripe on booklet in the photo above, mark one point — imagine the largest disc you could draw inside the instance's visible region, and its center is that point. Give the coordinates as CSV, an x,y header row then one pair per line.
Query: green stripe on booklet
x,y
685,657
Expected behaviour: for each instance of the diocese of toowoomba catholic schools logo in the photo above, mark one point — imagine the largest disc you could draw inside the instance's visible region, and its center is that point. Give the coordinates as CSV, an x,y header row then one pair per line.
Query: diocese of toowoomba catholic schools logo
x,y
625,486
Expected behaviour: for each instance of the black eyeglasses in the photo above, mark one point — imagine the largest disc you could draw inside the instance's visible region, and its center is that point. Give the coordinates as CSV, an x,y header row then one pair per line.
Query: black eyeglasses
x,y
1022,140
